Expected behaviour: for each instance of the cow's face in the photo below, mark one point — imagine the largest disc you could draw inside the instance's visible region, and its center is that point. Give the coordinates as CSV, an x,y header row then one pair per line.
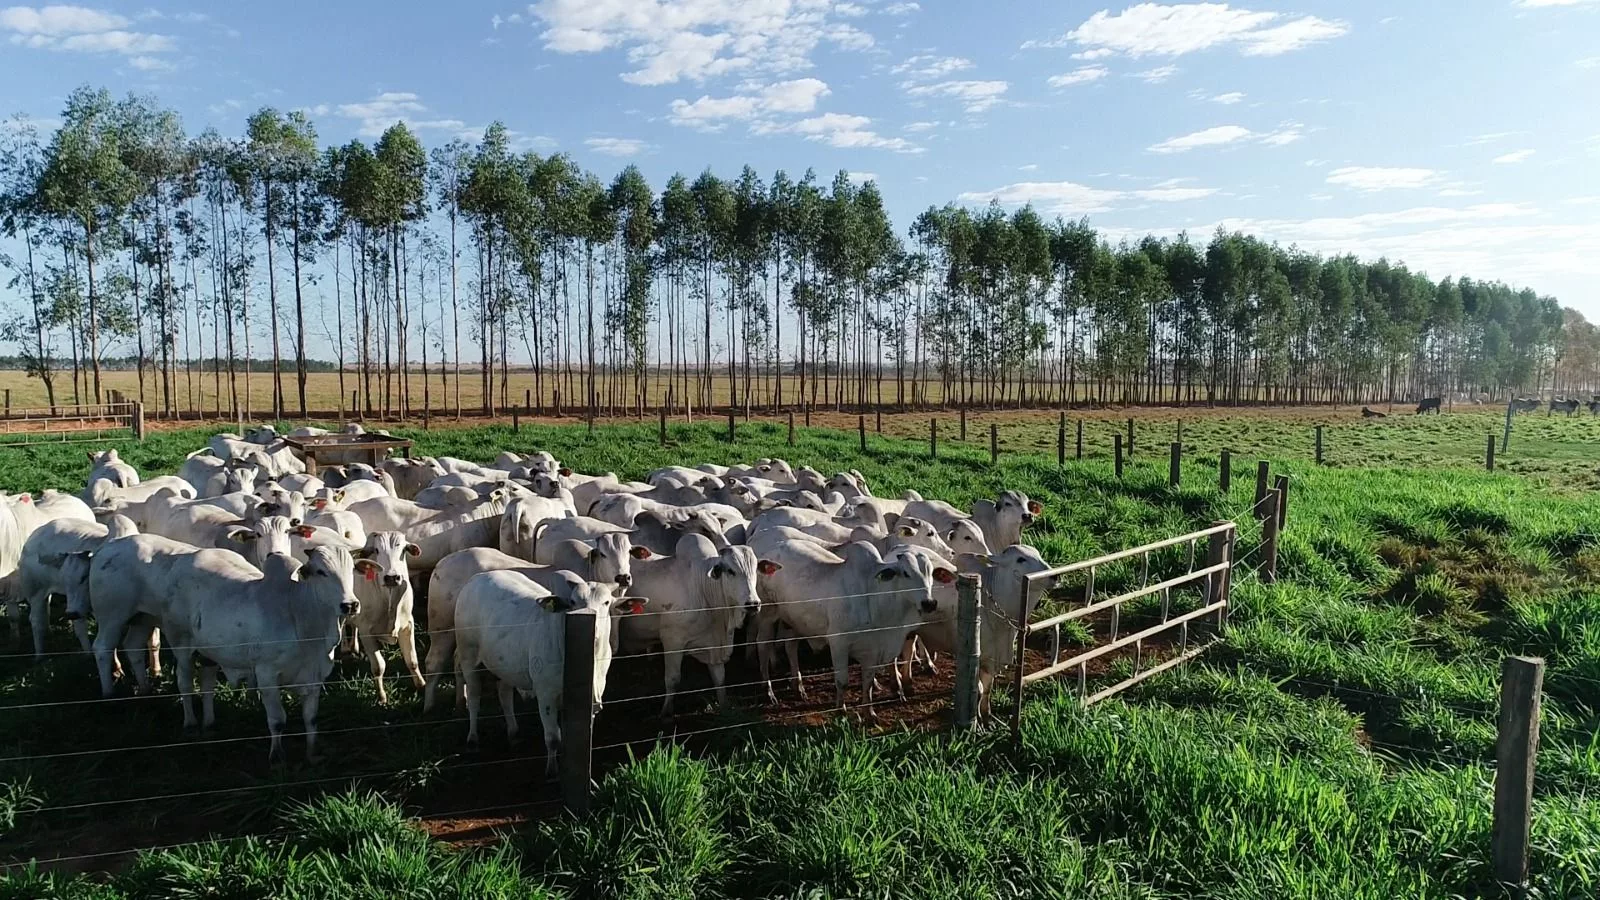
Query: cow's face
x,y
330,572
388,551
264,537
74,580
909,576
546,484
240,478
734,572
915,532
966,537
103,458
611,561
1015,510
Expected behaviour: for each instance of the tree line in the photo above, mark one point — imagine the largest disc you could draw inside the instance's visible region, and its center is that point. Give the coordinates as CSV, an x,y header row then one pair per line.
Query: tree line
x,y
130,237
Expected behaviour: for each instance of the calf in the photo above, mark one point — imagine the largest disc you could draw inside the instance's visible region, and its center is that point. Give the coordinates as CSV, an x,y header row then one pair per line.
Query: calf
x,y
506,625
699,597
1001,520
384,591
1369,413
101,492
38,574
1428,404
867,607
212,475
109,466
1563,406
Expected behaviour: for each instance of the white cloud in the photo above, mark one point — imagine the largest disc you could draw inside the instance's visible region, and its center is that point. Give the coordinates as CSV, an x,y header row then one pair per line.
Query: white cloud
x,y
150,64
1209,137
928,67
1514,157
846,132
1320,198
1028,168
1228,99
1080,75
375,116
1379,178
709,113
1158,74
1091,55
975,96
1223,135
1154,29
901,9
1458,192
83,30
1538,4
667,41
920,126
1491,137
1071,198
611,146
861,177
1588,62
853,10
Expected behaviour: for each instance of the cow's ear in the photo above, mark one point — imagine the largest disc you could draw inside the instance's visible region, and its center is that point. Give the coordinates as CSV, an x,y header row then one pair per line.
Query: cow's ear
x,y
338,496
887,573
595,556
305,531
944,576
242,535
1035,507
564,472
90,455
908,531
640,553
24,498
413,550
716,571
767,567
368,569
547,602
362,553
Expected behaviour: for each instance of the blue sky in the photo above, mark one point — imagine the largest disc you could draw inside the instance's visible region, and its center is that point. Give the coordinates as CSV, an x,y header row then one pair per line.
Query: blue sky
x,y
1460,137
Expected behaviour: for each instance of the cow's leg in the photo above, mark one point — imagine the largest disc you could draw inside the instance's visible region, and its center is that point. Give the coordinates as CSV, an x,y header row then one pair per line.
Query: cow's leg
x,y
841,670
142,651
440,652
791,649
107,633
985,691
550,719
672,665
719,680
185,660
763,649
408,653
908,657
374,655
80,630
272,700
39,618
508,708
467,677
310,700
154,642
208,698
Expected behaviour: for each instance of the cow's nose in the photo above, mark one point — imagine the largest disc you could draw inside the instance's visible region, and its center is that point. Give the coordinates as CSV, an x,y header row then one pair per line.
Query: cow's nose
x,y
1027,518
625,580
930,605
349,607
294,523
391,581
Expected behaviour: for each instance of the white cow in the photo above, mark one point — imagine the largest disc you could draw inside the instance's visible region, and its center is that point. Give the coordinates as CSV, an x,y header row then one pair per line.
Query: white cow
x,y
386,602
107,465
504,625
608,562
699,598
866,608
38,574
411,475
279,456
212,475
1001,520
102,493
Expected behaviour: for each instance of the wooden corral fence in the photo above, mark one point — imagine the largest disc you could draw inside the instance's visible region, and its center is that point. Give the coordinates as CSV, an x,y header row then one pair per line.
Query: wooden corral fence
x,y
119,419
1211,580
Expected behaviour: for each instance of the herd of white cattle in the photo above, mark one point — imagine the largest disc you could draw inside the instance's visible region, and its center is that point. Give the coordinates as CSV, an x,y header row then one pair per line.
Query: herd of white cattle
x,y
247,564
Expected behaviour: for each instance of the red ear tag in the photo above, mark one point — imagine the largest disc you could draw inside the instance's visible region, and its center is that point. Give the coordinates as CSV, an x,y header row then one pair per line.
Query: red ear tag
x,y
635,607
943,576
371,572
27,498
306,531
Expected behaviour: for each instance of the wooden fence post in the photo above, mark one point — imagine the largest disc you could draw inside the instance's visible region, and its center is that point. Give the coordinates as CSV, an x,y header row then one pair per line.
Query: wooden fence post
x,y
516,420
880,421
808,413
933,438
355,407
732,435
577,710
861,429
1263,472
1521,681
663,426
994,443
1080,439
1216,552
1116,449
556,402
1130,437
966,651
1061,441
1269,540
963,423
1281,485
1488,455
1179,437
1225,472
1319,445
137,420
527,401
791,428
1173,468
8,403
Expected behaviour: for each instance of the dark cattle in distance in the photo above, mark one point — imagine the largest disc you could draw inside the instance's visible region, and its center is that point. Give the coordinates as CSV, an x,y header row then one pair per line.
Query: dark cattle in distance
x,y
1563,406
1524,404
1367,413
1594,407
1428,404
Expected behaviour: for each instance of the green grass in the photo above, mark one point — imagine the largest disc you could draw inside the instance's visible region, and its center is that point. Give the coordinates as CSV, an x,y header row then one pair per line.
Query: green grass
x,y
1338,743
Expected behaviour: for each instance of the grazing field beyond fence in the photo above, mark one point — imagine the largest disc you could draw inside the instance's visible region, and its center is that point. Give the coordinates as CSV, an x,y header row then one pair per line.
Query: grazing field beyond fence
x,y
1337,741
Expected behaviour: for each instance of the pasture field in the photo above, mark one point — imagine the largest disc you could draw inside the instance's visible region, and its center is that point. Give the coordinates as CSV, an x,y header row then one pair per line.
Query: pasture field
x,y
1338,743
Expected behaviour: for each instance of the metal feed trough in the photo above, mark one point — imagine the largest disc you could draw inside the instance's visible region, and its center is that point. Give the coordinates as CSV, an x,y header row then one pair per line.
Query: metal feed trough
x,y
337,449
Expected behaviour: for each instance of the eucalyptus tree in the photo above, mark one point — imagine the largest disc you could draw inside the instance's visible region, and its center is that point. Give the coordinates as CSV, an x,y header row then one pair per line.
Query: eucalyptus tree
x,y
448,174
713,227
631,202
401,201
22,163
676,238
